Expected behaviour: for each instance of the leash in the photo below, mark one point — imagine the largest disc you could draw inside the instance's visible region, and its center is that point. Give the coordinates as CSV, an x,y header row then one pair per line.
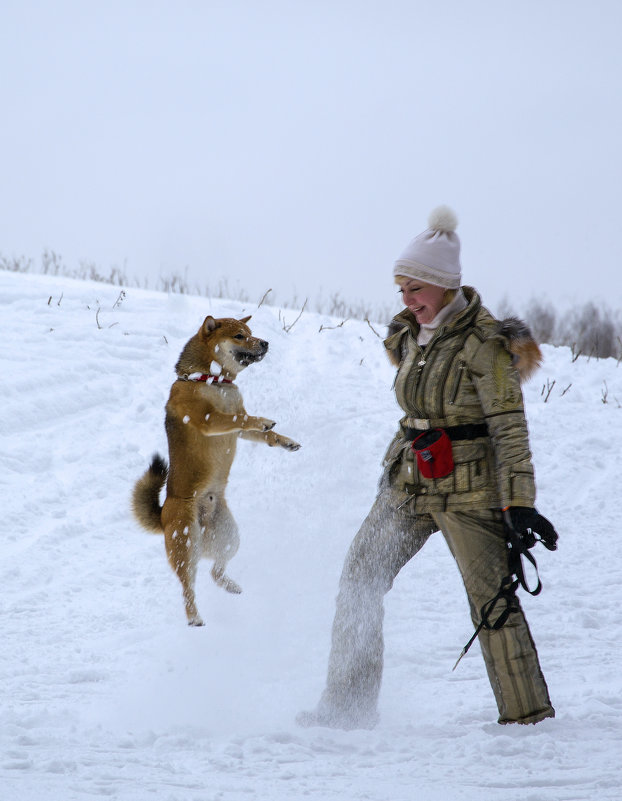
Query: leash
x,y
518,547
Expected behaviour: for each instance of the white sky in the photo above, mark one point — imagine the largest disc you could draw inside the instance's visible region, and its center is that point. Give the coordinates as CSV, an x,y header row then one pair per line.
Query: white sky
x,y
300,145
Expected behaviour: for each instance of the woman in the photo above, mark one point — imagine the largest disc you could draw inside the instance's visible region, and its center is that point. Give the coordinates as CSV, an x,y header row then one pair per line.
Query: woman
x,y
459,371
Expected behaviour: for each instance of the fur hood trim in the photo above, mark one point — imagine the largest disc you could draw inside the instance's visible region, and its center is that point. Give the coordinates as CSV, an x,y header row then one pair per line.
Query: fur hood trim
x,y
526,353
393,342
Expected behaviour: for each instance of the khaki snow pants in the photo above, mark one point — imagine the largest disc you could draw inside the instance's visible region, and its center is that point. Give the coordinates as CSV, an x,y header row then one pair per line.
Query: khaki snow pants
x,y
387,540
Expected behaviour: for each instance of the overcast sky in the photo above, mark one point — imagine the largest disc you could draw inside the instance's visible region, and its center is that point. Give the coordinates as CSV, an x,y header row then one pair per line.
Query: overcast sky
x,y
300,145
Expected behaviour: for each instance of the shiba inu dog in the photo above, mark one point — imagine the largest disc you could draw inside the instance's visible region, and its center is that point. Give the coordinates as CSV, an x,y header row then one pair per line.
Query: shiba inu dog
x,y
205,415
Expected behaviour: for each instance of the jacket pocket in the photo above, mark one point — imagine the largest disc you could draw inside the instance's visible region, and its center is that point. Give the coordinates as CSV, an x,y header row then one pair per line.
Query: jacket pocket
x,y
404,472
470,472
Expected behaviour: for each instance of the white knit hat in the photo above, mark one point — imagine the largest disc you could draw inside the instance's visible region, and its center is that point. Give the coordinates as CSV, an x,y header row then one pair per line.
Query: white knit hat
x,y
434,256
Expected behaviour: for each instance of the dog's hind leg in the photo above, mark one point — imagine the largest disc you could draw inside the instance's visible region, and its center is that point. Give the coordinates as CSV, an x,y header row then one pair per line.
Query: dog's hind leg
x,y
181,549
221,538
221,578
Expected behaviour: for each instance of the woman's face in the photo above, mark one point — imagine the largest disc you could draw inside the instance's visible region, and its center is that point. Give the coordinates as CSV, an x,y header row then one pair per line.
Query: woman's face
x,y
424,300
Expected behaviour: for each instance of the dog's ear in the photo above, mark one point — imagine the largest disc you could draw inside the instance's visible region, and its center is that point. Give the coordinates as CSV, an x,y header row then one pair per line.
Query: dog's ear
x,y
209,325
246,319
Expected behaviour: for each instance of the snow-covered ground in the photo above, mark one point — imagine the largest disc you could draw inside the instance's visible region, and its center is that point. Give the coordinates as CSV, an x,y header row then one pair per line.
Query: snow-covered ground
x,y
105,690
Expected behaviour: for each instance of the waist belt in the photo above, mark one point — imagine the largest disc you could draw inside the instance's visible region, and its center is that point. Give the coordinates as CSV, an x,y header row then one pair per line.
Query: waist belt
x,y
465,431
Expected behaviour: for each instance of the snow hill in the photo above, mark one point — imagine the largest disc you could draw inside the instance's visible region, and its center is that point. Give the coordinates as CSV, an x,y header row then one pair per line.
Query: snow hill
x,y
105,690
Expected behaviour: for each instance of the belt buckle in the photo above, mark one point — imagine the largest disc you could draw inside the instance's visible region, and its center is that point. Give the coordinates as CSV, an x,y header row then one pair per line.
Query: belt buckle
x,y
420,423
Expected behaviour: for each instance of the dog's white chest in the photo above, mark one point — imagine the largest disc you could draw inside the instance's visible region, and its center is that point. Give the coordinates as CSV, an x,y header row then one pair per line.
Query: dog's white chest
x,y
223,397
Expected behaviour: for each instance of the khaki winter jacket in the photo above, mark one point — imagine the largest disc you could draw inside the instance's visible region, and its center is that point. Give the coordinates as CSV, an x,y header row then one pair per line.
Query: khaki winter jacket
x,y
469,372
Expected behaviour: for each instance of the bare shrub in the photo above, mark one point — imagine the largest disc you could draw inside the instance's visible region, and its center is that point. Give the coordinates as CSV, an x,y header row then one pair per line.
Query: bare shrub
x,y
15,264
590,330
223,290
90,271
337,306
175,284
52,263
542,320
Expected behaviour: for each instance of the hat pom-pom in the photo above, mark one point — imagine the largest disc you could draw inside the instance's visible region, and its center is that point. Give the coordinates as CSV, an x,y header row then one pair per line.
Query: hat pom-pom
x,y
443,218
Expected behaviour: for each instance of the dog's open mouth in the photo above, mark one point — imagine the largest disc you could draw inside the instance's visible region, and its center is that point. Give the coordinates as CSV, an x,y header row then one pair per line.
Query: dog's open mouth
x,y
245,357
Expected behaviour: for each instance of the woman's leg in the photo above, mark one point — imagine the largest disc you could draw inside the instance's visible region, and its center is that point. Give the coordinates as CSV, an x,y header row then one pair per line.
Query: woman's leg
x,y
387,540
477,542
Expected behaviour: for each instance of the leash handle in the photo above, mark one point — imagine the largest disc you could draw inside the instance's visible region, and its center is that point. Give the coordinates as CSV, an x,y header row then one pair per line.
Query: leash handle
x,y
517,548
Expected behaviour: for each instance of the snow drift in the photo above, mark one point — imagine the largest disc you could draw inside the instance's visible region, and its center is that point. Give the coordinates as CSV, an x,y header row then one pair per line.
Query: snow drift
x,y
105,690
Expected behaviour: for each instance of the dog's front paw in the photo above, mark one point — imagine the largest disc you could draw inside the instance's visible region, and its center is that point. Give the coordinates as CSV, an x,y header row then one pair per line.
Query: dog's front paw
x,y
266,425
289,444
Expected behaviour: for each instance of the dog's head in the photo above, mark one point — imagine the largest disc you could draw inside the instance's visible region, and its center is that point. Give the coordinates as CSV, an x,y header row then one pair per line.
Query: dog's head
x,y
221,347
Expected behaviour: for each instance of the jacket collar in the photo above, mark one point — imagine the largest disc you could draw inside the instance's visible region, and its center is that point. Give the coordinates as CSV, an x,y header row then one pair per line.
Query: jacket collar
x,y
461,320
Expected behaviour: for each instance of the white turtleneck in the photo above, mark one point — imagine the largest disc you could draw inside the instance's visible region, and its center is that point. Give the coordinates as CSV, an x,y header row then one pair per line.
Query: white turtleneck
x,y
457,304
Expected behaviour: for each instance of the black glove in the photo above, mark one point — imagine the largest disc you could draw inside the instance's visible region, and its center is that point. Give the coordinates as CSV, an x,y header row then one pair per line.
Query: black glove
x,y
531,526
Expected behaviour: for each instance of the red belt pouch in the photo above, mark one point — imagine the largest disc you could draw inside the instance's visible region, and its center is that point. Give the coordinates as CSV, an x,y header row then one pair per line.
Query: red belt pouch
x,y
433,452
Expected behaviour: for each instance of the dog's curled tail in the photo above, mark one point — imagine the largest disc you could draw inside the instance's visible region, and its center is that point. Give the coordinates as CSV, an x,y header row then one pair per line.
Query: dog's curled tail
x,y
146,496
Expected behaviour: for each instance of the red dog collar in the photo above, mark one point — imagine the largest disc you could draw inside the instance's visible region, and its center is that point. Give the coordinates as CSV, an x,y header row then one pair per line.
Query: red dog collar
x,y
208,378
214,379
